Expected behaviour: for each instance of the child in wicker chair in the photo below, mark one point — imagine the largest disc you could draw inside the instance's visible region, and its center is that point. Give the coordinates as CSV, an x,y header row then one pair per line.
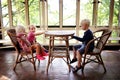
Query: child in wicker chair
x,y
79,49
31,38
26,45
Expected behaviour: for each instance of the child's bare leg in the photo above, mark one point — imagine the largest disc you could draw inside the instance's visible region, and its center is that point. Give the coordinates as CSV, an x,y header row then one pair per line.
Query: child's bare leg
x,y
38,51
38,48
79,58
44,51
74,55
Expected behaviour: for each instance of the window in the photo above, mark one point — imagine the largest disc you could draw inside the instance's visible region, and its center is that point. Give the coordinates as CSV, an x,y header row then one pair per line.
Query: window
x,y
5,13
34,12
86,10
53,12
5,18
116,12
18,11
69,12
115,32
103,13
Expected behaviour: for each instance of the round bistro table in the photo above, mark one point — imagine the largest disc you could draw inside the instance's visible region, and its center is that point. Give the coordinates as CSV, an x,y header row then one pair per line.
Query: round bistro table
x,y
59,52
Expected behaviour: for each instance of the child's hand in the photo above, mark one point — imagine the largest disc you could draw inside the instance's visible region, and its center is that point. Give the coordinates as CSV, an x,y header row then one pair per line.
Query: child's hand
x,y
44,31
72,35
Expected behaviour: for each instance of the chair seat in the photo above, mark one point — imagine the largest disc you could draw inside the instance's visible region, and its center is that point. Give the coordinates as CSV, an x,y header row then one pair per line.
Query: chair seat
x,y
95,51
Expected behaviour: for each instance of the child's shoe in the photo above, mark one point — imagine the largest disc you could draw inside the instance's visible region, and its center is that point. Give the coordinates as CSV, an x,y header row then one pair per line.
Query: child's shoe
x,y
39,57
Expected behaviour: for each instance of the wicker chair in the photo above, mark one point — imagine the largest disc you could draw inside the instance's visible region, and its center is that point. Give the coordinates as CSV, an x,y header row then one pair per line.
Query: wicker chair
x,y
21,55
99,45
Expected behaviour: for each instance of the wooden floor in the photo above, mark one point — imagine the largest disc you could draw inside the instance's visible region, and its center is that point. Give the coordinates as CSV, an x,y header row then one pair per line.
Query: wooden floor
x,y
58,69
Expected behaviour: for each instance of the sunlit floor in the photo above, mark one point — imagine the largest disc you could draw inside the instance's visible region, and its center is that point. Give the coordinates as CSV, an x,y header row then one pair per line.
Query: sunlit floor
x,y
58,69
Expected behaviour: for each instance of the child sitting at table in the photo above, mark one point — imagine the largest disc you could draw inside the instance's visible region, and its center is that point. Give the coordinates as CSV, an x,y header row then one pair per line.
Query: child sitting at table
x,y
79,49
26,45
31,38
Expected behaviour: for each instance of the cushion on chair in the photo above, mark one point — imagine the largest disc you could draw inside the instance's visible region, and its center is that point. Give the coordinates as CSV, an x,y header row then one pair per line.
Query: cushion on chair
x,y
95,50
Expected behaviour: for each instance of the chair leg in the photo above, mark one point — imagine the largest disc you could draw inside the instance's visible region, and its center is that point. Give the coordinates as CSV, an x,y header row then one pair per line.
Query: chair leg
x,y
39,61
68,60
102,63
34,66
49,61
82,69
33,62
20,58
97,57
17,60
15,66
83,63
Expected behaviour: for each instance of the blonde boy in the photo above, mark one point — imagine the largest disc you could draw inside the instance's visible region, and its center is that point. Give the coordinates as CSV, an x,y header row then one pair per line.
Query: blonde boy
x,y
79,49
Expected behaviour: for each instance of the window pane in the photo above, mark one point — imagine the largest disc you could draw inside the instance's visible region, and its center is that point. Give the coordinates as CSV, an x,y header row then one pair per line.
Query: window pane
x,y
34,12
86,9
53,12
116,31
18,10
116,12
114,35
5,13
5,17
103,13
69,12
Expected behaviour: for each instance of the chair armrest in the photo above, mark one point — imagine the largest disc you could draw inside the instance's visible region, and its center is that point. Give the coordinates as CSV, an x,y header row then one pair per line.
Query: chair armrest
x,y
100,30
9,33
98,40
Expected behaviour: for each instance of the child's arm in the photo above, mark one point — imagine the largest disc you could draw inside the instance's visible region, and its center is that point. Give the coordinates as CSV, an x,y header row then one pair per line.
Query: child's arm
x,y
77,38
39,33
21,34
85,37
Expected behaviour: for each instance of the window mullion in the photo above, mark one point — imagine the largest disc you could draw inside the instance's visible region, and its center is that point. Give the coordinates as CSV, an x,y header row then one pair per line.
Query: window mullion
x,y
111,13
77,16
119,15
27,20
46,15
10,13
61,13
119,21
1,22
95,13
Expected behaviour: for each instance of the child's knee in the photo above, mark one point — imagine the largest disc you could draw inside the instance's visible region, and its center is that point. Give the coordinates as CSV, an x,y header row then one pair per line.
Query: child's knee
x,y
37,45
78,52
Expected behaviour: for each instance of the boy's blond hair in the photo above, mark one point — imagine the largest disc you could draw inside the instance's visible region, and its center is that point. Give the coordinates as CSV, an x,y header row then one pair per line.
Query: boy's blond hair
x,y
20,29
86,21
